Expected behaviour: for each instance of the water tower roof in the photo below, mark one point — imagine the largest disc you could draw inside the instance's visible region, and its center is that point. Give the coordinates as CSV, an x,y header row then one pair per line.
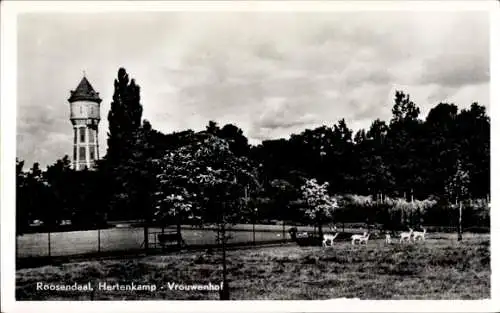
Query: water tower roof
x,y
85,92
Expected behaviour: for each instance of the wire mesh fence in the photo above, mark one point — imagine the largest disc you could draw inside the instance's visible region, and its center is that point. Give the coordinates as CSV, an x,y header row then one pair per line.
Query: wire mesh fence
x,y
125,239
132,238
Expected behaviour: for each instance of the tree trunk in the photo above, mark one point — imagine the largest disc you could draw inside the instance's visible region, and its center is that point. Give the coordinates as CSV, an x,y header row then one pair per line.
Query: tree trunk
x,y
224,295
253,231
320,230
179,237
162,233
460,221
146,225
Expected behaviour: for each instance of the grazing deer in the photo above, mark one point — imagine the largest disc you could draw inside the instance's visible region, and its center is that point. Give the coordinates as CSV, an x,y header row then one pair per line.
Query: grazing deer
x,y
355,238
419,235
406,236
328,237
364,239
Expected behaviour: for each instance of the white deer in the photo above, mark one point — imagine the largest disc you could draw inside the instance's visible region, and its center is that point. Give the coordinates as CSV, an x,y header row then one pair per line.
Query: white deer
x,y
329,237
388,238
357,238
364,239
406,236
419,235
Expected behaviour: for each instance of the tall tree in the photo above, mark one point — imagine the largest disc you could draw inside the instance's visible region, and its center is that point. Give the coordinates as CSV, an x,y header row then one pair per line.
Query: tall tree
x,y
457,188
22,206
42,202
319,204
473,132
34,191
404,109
341,158
176,187
406,141
374,173
223,189
58,176
124,116
128,152
442,145
206,174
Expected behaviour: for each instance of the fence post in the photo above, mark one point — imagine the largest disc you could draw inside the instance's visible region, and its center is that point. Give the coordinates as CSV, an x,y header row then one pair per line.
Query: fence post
x,y
49,240
99,240
146,236
253,231
284,239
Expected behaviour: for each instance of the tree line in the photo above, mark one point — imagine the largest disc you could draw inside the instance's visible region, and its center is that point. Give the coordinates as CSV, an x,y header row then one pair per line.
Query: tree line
x,y
157,177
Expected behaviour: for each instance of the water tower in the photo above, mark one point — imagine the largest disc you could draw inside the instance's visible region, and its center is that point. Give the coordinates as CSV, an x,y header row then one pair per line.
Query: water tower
x,y
85,116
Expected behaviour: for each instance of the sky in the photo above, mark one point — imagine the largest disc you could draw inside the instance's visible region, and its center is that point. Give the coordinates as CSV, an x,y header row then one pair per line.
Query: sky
x,y
269,73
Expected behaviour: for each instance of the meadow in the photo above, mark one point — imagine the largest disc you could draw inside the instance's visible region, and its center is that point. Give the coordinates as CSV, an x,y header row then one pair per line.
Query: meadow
x,y
439,268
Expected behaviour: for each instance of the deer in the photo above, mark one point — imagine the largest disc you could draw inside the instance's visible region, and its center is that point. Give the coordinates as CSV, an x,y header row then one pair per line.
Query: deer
x,y
406,236
388,238
357,237
329,237
364,239
419,235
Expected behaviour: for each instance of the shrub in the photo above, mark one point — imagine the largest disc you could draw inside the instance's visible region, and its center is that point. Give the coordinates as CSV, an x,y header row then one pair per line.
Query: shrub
x,y
399,214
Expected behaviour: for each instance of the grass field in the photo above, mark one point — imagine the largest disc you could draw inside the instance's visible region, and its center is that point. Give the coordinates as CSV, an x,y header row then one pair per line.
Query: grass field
x,y
440,268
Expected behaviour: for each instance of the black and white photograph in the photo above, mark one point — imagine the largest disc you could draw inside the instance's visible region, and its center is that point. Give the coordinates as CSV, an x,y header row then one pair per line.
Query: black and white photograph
x,y
232,154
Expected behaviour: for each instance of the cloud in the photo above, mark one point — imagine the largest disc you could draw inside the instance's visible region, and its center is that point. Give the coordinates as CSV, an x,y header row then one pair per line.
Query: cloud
x,y
270,74
281,114
455,69
280,117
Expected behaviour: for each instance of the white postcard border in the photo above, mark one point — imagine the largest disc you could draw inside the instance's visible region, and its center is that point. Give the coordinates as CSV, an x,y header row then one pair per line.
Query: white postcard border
x,y
9,11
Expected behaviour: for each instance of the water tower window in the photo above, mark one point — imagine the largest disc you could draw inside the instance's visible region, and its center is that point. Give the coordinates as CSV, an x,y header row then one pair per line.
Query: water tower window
x,y
74,153
82,134
92,153
91,135
75,138
82,153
